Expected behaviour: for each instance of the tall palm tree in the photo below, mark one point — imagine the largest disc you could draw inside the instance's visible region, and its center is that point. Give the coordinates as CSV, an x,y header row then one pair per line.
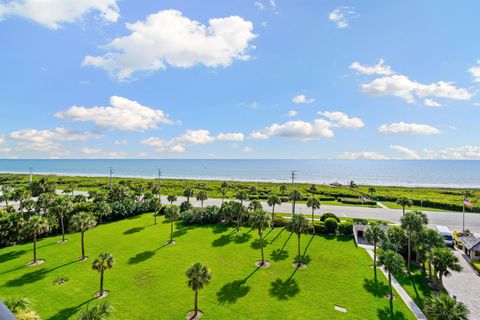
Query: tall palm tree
x,y
393,263
375,234
296,196
100,311
443,307
188,192
404,202
372,191
242,196
272,200
172,213
198,277
202,196
6,194
171,198
103,262
298,224
36,226
260,220
313,203
83,222
426,240
254,205
443,260
102,209
224,189
283,188
157,205
44,201
412,223
61,208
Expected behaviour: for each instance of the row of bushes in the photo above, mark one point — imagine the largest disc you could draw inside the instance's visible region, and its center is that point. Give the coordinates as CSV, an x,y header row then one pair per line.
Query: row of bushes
x,y
357,201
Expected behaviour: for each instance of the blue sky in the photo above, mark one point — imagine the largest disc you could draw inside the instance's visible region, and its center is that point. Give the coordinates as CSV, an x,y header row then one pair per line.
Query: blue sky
x,y
239,79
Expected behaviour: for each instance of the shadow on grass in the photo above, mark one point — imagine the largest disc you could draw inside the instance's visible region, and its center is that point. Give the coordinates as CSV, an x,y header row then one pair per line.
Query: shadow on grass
x,y
134,217
133,230
308,245
305,259
278,255
286,241
256,244
68,312
278,235
181,229
284,289
26,278
377,288
222,241
140,257
239,239
344,238
419,282
11,255
232,291
266,235
219,228
384,314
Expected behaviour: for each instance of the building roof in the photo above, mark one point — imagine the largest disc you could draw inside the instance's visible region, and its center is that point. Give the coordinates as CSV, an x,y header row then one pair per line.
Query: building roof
x,y
336,184
471,242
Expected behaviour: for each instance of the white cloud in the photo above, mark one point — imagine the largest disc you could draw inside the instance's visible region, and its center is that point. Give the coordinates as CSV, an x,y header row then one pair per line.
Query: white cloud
x,y
254,105
292,113
362,155
380,68
122,114
408,128
297,130
340,119
455,153
99,153
259,5
247,150
54,13
121,142
408,153
167,37
2,139
257,135
476,104
341,16
401,86
475,71
431,103
238,136
192,137
302,99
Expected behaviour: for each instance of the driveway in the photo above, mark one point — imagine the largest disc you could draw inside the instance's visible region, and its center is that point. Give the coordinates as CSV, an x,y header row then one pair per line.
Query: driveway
x,y
466,286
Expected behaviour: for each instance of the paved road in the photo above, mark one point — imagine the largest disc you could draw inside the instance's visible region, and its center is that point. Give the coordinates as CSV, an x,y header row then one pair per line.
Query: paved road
x,y
452,220
466,286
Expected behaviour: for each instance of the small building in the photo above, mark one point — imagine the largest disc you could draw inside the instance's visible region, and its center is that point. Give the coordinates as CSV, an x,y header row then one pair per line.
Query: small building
x,y
336,184
471,246
359,230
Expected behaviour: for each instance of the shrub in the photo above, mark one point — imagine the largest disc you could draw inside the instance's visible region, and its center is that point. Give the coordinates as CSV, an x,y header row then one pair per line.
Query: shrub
x,y
320,228
209,215
345,228
360,221
331,225
279,222
327,215
185,205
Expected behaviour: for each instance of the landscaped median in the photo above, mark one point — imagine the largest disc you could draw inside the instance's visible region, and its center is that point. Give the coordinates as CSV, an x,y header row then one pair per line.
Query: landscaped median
x,y
149,282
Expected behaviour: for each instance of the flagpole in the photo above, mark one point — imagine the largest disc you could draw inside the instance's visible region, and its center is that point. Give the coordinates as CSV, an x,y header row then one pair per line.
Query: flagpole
x,y
463,223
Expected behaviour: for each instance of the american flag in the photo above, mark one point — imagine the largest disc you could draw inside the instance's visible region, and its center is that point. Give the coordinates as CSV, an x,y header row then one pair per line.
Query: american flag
x,y
467,203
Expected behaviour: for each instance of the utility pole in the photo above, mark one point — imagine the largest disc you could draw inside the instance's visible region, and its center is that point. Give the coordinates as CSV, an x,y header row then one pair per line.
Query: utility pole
x,y
31,175
293,175
111,173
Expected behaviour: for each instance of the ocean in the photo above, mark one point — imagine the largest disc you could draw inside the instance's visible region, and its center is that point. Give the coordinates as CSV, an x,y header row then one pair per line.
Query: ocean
x,y
424,173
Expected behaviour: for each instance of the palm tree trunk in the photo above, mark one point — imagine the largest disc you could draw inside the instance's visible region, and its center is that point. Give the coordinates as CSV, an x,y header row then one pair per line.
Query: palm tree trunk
x,y
83,245
403,210
196,303
391,294
408,259
261,245
34,248
101,282
299,234
375,260
155,218
273,214
202,203
171,231
313,222
430,269
63,228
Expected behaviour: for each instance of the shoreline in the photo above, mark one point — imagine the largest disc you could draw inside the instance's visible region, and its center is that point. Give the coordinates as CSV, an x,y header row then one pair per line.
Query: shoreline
x,y
243,180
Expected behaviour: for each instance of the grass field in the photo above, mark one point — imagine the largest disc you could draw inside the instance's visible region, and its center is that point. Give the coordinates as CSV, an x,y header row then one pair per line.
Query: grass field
x,y
148,280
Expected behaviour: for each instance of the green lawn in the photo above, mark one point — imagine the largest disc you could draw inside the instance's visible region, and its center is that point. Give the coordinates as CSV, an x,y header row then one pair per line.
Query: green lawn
x,y
416,285
394,205
148,280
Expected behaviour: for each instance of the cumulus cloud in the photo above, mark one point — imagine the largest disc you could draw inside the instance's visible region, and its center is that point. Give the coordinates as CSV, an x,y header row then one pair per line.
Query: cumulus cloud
x,y
340,119
2,139
238,136
401,86
408,153
292,113
431,103
302,99
475,71
54,13
99,153
169,38
341,16
297,130
247,149
380,68
408,128
121,142
122,114
454,153
369,155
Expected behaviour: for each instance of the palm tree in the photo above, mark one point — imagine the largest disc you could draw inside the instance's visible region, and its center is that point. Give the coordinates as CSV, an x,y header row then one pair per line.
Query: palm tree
x,y
353,185
254,205
298,224
61,208
6,194
404,202
224,189
188,192
157,205
103,262
44,201
296,196
172,213
36,226
198,277
375,234
171,198
83,222
202,196
272,201
393,263
242,196
443,307
371,191
413,224
100,311
443,260
102,209
283,188
428,239
313,203
260,220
